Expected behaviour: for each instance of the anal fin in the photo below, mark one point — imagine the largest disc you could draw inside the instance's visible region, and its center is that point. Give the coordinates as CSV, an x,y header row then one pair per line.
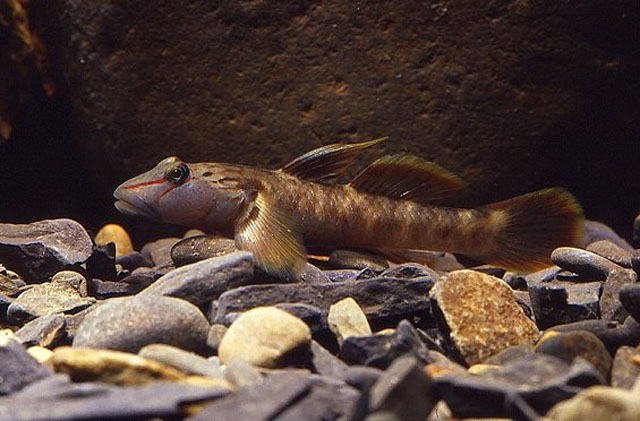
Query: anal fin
x,y
270,233
407,177
328,161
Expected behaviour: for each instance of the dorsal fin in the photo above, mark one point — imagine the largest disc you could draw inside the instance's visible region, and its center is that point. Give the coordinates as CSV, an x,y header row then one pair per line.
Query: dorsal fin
x,y
407,177
327,161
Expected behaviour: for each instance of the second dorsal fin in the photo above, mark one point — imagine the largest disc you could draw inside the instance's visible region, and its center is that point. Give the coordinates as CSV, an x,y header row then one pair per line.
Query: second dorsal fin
x,y
327,161
407,177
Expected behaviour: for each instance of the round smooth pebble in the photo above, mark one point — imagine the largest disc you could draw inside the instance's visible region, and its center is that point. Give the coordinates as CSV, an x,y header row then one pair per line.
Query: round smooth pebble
x,y
346,318
185,361
129,323
264,337
113,233
72,278
584,263
598,403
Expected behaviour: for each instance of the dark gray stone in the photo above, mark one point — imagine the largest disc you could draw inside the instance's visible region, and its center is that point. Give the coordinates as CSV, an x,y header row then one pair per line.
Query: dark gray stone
x,y
47,298
129,323
313,275
261,402
159,251
597,231
185,361
630,298
205,280
47,331
569,345
133,260
18,369
241,373
200,247
635,261
612,334
558,302
610,306
522,389
585,263
38,250
624,372
341,275
325,363
352,259
109,289
410,271
611,251
5,302
102,262
379,297
10,286
311,315
380,350
543,275
404,389
510,354
362,377
57,399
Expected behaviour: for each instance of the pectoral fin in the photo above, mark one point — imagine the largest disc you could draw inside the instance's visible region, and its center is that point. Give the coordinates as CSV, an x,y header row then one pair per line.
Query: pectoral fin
x,y
407,177
270,233
327,161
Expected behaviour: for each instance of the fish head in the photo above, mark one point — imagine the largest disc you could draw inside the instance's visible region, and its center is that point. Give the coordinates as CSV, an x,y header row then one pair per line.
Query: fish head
x,y
181,193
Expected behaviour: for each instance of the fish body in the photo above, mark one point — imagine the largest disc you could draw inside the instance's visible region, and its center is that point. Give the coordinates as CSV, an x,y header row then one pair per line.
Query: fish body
x,y
275,213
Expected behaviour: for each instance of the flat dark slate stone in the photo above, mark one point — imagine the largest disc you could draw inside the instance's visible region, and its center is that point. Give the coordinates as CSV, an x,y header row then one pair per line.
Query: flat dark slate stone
x,y
58,399
630,299
378,297
17,368
38,250
522,389
556,302
381,350
612,334
46,331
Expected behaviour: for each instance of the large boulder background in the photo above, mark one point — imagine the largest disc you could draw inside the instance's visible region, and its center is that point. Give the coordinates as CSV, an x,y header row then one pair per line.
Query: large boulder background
x,y
511,95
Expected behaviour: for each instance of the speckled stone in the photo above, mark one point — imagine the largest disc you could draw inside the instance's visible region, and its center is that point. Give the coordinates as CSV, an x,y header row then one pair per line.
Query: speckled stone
x,y
569,345
72,278
47,298
200,247
129,323
116,234
351,259
598,403
610,306
481,314
346,318
44,331
38,250
264,337
159,251
583,262
626,367
611,251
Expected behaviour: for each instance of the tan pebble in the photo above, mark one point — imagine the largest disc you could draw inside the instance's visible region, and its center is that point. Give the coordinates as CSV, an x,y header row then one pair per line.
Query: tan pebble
x,y
116,234
346,318
75,279
264,337
598,403
41,354
481,368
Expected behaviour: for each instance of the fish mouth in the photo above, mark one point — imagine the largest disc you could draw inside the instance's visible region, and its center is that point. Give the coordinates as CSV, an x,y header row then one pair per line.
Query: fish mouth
x,y
133,206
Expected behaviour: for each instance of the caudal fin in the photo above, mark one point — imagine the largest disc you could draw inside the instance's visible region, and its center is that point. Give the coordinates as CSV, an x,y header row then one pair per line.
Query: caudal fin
x,y
534,225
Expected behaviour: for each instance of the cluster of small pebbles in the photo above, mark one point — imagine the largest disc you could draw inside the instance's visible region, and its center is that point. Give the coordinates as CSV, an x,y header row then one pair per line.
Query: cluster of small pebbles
x,y
189,329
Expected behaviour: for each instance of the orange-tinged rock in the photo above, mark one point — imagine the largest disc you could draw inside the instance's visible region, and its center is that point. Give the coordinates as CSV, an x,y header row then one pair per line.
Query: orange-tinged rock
x,y
116,234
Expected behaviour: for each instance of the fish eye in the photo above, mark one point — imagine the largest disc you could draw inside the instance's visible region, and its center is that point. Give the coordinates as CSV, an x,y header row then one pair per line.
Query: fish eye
x,y
178,173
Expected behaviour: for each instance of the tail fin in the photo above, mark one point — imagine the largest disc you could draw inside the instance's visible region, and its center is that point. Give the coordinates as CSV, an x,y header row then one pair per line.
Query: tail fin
x,y
534,225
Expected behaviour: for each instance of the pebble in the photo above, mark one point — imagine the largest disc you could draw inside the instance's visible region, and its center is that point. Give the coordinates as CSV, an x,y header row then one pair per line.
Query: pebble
x,y
114,233
73,278
45,331
40,354
59,399
159,251
361,377
341,275
5,302
559,302
18,368
612,334
311,274
379,298
47,298
352,259
129,323
10,286
311,315
625,371
380,350
611,251
569,345
410,271
630,298
346,318
405,390
109,289
38,250
512,353
610,306
584,263
324,362
480,314
215,335
186,362
200,247
598,403
265,337
205,280
102,263
543,275
596,231
133,260
521,389
240,373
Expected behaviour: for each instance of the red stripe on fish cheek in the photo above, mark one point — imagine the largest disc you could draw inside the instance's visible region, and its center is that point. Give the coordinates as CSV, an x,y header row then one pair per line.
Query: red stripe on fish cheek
x,y
145,183
168,189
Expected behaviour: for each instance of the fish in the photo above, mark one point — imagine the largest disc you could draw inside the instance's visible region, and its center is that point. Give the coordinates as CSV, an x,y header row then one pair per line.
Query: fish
x,y
387,208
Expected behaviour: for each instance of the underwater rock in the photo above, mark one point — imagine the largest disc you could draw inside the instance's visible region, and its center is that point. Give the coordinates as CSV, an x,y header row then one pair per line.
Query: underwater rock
x,y
45,331
610,306
325,363
583,262
133,260
47,298
595,231
200,247
116,234
346,318
611,251
18,368
486,320
556,302
630,298
351,259
598,403
102,263
611,333
38,250
205,280
159,251
186,362
130,323
626,367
